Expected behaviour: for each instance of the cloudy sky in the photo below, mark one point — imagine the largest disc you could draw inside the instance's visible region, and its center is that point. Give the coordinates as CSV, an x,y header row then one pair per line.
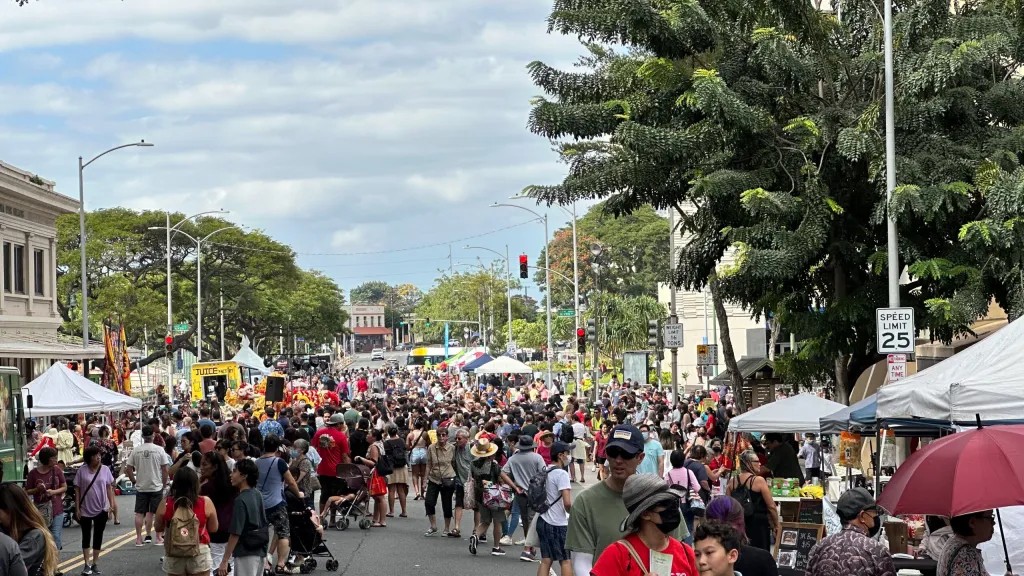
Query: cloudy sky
x,y
366,134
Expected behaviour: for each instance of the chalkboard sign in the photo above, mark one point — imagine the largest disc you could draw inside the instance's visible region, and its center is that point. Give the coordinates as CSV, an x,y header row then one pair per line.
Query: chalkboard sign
x,y
810,511
794,547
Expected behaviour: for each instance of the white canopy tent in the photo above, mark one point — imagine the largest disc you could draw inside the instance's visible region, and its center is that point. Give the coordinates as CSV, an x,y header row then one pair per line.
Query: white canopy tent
x,y
60,391
800,413
247,357
984,379
504,365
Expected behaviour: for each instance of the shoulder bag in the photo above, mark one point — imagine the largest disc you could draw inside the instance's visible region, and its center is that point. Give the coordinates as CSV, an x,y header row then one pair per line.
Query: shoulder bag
x,y
46,508
78,511
636,557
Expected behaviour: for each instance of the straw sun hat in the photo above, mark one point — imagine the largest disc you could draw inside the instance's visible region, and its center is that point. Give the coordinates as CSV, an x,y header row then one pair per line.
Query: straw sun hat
x,y
483,448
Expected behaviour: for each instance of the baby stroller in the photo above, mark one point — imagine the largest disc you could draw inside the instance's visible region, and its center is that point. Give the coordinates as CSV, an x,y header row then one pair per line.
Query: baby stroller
x,y
306,538
355,480
68,500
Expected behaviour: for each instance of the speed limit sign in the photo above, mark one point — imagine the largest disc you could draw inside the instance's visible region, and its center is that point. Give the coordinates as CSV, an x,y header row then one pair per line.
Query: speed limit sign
x,y
896,333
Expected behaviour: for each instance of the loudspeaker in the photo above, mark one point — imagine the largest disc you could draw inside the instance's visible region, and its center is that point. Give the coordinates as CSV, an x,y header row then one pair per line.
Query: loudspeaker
x,y
275,389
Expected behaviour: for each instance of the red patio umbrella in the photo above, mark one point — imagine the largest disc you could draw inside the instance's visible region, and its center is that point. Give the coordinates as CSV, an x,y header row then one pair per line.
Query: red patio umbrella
x,y
976,470
980,469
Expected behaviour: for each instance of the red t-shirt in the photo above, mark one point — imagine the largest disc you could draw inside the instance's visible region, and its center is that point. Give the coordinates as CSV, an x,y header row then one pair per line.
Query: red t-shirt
x,y
200,511
331,450
362,385
616,560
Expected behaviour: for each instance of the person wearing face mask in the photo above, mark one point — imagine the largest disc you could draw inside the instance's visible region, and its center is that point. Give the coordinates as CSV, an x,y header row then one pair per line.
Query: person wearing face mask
x,y
854,549
597,512
647,547
654,453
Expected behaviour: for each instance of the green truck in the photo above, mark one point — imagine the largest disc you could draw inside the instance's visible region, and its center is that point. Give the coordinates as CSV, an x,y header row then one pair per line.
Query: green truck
x,y
12,426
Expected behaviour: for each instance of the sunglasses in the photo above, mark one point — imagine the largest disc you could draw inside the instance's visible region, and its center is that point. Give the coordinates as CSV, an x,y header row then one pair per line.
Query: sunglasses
x,y
616,452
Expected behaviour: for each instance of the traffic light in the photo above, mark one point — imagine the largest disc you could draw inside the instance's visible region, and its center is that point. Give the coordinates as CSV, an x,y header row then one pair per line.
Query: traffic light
x,y
653,339
169,344
591,330
581,340
523,266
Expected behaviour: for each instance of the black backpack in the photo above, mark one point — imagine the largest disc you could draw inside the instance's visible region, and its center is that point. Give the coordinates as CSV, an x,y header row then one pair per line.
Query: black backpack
x,y
395,449
566,434
385,465
537,491
745,495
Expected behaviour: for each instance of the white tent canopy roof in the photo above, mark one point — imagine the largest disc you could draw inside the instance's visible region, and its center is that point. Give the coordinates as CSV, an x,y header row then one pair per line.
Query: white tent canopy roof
x,y
800,413
247,357
504,365
984,379
60,391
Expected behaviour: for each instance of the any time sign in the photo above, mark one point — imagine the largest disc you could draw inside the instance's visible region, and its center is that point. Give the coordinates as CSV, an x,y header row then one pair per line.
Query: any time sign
x,y
895,330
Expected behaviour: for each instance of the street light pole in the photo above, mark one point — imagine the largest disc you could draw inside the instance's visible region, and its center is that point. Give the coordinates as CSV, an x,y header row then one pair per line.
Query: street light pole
x,y
576,292
81,235
508,284
892,244
547,281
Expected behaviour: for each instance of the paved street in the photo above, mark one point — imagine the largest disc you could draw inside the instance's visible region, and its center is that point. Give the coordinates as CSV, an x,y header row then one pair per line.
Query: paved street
x,y
399,549
362,359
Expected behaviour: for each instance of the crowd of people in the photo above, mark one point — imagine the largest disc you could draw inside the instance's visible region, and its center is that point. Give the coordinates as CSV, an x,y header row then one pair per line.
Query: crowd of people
x,y
664,495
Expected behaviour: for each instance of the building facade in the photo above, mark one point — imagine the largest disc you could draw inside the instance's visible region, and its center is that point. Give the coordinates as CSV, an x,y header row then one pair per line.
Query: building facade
x,y
29,316
367,328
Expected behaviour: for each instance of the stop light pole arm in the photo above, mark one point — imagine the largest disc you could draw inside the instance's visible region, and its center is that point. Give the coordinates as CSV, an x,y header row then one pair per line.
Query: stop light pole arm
x,y
555,272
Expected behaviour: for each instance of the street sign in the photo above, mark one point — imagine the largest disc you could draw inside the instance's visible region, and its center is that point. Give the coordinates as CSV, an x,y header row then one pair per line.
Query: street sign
x,y
897,367
672,336
569,313
511,347
707,354
895,328
183,327
300,339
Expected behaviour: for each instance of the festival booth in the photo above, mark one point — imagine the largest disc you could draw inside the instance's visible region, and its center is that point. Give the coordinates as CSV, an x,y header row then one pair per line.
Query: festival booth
x,y
504,365
246,356
983,381
476,363
59,391
804,510
796,414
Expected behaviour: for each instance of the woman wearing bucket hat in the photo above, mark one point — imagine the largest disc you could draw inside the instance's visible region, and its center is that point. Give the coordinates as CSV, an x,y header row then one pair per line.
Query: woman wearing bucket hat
x,y
647,547
486,473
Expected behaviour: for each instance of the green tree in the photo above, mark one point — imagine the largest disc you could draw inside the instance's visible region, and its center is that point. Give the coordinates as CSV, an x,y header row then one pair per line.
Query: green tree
x,y
761,124
263,290
467,296
634,255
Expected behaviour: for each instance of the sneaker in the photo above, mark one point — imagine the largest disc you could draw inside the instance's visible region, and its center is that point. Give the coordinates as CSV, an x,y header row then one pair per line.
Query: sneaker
x,y
527,557
95,569
483,538
473,540
148,539
87,570
521,542
505,541
497,552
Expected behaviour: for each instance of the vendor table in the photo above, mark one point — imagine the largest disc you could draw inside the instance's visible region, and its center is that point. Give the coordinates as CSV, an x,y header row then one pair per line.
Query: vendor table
x,y
926,566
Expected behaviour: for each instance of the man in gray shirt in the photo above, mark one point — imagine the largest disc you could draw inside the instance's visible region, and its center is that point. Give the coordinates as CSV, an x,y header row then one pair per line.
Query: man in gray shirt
x,y
10,557
517,472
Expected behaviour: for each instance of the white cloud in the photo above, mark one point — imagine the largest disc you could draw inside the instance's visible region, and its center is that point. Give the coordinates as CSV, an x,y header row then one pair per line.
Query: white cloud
x,y
335,125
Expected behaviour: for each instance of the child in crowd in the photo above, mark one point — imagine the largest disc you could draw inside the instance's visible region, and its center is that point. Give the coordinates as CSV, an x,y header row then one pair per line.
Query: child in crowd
x,y
717,547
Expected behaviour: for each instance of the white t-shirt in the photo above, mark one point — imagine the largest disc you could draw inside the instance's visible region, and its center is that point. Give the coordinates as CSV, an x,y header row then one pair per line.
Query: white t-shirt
x,y
147,460
558,480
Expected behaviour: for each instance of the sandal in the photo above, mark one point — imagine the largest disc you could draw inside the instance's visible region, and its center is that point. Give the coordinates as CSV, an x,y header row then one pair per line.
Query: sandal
x,y
455,534
389,515
403,515
377,525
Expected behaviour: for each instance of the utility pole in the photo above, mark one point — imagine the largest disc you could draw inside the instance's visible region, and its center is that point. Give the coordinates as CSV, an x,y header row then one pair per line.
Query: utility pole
x,y
223,348
673,317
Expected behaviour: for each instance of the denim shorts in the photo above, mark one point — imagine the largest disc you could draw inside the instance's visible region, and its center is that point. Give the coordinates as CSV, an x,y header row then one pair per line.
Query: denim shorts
x,y
552,541
418,456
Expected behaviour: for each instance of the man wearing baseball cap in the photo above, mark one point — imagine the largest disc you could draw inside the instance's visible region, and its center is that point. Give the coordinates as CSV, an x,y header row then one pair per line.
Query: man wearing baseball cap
x,y
597,512
855,546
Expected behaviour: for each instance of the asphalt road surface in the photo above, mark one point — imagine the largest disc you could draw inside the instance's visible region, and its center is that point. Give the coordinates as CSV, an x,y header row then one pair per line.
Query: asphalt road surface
x,y
362,359
401,549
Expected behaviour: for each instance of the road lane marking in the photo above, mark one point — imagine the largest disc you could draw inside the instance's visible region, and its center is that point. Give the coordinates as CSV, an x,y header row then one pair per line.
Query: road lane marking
x,y
112,544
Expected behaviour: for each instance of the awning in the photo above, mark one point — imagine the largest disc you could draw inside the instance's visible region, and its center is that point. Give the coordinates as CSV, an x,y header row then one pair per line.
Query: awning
x,y
50,345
